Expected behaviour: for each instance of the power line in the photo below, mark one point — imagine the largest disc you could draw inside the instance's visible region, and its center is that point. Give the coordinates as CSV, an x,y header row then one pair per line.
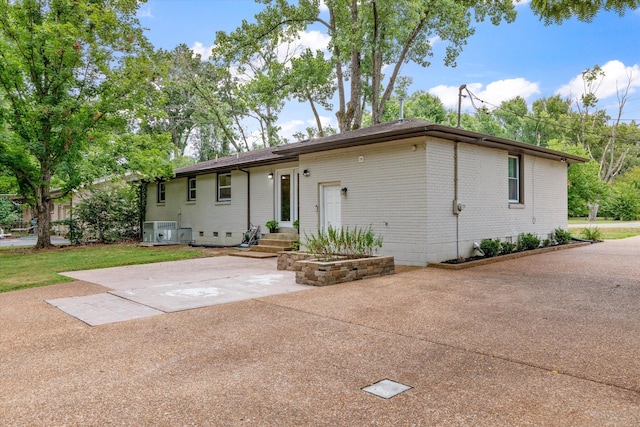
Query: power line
x,y
539,120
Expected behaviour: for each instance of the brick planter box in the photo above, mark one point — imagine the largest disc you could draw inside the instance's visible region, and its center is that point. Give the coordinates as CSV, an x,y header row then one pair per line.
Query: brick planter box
x,y
318,273
287,260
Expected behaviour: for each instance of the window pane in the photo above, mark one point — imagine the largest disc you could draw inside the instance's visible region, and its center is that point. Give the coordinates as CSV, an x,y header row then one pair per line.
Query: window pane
x,y
225,180
285,198
161,191
513,167
513,190
224,186
225,193
192,189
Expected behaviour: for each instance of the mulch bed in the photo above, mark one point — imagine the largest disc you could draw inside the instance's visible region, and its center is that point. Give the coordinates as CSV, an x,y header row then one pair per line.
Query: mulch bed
x,y
459,264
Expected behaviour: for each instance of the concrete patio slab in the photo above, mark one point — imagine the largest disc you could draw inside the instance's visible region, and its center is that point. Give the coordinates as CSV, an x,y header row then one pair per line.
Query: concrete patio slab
x,y
101,309
173,273
186,296
147,290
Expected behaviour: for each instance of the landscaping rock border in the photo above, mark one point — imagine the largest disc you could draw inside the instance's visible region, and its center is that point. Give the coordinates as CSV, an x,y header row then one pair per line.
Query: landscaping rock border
x,y
514,255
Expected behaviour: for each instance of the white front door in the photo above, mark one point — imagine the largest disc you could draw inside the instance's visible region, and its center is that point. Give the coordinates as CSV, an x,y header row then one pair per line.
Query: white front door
x,y
286,197
331,214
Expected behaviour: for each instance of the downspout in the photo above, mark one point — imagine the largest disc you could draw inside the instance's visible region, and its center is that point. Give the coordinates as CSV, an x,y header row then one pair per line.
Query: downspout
x,y
456,210
248,197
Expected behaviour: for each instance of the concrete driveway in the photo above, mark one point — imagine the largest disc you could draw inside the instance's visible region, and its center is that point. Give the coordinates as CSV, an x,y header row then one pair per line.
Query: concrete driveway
x,y
550,339
30,240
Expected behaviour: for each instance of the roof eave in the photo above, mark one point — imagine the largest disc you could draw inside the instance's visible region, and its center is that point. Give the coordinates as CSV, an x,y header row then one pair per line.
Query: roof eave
x,y
440,131
236,166
516,147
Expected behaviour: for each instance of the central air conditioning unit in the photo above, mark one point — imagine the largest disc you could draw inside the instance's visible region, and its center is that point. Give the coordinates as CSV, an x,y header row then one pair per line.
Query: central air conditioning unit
x,y
160,233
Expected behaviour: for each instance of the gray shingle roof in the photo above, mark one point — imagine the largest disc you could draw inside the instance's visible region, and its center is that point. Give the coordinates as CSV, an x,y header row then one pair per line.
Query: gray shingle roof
x,y
389,131
408,128
252,158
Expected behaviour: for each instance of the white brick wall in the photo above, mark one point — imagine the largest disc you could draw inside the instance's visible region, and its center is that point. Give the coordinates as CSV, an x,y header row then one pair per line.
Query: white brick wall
x,y
403,189
208,216
385,191
483,189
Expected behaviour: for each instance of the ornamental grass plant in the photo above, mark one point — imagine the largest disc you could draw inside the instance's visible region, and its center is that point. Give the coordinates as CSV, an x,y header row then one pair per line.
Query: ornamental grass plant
x,y
336,243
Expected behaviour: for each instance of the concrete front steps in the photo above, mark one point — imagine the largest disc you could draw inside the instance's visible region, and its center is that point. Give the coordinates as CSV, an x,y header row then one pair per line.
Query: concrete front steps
x,y
275,242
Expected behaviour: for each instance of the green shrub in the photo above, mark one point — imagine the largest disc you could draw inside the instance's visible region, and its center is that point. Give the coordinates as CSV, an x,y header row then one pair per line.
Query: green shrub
x,y
508,247
75,233
624,205
561,236
528,241
593,233
342,242
110,215
9,213
491,247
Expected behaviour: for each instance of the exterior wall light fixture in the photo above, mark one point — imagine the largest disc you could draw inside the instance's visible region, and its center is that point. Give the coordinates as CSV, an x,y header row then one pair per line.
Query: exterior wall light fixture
x,y
270,175
306,172
344,191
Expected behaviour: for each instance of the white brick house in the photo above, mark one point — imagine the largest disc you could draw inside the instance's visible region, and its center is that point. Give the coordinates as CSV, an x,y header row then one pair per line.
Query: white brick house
x,y
430,190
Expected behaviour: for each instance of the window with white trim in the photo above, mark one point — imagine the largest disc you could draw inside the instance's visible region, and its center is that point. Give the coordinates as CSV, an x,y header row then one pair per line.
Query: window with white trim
x,y
515,195
161,191
191,188
224,187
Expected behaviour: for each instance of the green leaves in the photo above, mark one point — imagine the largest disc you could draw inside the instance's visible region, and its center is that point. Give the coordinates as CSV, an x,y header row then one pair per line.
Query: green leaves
x,y
71,79
556,12
343,242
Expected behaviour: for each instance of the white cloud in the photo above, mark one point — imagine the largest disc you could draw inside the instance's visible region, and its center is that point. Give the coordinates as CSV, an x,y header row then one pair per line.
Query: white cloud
x,y
202,50
616,77
145,13
291,127
288,128
324,120
493,93
314,40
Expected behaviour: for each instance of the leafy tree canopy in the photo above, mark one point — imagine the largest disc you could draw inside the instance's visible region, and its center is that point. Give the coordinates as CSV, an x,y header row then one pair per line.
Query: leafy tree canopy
x,y
365,37
558,11
72,73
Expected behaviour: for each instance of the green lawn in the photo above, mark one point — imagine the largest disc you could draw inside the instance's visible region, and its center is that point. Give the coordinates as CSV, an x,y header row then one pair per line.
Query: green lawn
x,y
598,221
606,233
27,268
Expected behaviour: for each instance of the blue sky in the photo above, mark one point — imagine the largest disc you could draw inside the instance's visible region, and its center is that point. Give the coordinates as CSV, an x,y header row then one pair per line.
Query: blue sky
x,y
525,58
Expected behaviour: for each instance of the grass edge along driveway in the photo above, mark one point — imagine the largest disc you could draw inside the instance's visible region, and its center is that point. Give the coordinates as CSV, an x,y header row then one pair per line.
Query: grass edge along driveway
x,y
28,268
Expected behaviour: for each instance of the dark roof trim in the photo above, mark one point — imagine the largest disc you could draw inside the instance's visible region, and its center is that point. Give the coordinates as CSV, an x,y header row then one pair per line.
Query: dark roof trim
x,y
385,132
225,164
416,128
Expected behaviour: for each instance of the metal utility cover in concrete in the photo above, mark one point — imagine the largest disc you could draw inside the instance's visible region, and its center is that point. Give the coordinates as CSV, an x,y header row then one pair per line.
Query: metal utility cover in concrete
x,y
386,388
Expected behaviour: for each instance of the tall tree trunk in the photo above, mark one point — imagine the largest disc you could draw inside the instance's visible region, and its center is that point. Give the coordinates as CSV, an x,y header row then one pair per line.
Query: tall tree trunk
x,y
352,118
340,114
43,209
316,115
593,211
